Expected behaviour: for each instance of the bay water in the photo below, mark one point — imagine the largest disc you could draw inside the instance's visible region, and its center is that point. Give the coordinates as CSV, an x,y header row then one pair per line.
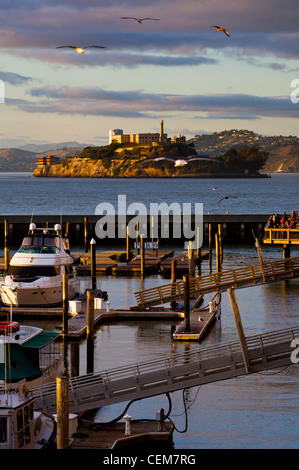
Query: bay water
x,y
256,411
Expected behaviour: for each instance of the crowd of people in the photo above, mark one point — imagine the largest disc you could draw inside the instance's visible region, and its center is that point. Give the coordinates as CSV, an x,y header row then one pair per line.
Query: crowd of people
x,y
283,221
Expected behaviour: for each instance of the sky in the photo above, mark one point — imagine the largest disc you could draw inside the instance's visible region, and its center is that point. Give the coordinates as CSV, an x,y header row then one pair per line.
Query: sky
x,y
176,68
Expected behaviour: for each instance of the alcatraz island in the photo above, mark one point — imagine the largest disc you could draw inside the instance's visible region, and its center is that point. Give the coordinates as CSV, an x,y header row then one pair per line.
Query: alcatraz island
x,y
153,155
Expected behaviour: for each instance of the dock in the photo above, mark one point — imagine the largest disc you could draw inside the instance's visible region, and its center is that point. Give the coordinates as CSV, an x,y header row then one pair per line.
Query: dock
x,y
199,323
113,436
77,324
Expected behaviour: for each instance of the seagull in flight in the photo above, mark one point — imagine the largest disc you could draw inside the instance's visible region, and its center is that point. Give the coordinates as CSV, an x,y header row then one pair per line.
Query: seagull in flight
x,y
225,197
139,20
80,50
214,189
220,29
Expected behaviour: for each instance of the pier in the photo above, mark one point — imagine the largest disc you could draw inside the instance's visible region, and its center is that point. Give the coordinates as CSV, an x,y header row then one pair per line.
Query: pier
x,y
81,228
168,374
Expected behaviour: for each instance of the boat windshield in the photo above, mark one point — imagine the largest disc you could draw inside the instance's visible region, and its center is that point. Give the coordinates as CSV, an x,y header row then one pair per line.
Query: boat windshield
x,y
30,273
37,244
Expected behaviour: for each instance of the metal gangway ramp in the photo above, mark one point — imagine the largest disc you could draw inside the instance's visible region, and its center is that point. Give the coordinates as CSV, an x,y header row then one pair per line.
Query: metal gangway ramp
x,y
236,278
156,377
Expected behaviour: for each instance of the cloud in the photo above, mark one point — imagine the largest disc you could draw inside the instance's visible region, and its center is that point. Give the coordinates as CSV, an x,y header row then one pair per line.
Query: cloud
x,y
14,78
257,29
137,103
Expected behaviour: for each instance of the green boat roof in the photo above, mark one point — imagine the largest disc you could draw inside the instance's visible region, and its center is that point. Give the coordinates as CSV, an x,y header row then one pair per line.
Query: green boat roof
x,y
41,340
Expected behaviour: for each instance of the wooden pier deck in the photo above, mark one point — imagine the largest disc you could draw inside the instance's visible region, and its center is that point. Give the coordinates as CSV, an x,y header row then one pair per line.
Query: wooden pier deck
x,y
113,436
199,324
77,324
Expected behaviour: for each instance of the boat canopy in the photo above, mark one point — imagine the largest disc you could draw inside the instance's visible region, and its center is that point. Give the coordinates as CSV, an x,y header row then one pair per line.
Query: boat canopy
x,y
41,340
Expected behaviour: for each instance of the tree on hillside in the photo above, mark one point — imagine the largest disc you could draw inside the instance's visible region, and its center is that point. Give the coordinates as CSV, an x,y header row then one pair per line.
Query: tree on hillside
x,y
249,158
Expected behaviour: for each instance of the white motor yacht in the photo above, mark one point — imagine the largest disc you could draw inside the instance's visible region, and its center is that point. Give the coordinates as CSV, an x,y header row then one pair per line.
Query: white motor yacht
x,y
35,275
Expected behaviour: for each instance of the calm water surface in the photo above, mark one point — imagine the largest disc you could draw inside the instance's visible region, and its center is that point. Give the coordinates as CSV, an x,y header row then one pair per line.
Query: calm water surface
x,y
22,194
258,411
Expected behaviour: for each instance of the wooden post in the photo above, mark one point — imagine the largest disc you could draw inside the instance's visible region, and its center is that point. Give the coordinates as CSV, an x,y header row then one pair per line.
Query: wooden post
x,y
90,332
191,260
142,256
93,264
67,230
286,250
6,249
173,270
65,320
137,238
85,235
260,253
62,397
238,321
217,246
220,243
173,276
128,244
75,359
186,302
210,246
198,254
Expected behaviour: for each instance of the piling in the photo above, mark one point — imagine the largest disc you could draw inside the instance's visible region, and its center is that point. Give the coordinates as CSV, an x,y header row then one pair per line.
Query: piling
x,y
75,359
85,235
286,251
62,397
90,332
220,243
173,270
6,249
218,257
198,254
210,246
128,244
93,264
191,260
186,302
137,238
65,320
142,256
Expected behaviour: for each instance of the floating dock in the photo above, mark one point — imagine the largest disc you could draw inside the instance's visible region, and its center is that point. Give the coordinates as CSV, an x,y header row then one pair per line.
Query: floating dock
x,y
113,436
199,323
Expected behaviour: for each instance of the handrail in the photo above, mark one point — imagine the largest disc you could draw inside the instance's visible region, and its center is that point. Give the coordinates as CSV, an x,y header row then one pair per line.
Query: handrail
x,y
251,274
125,380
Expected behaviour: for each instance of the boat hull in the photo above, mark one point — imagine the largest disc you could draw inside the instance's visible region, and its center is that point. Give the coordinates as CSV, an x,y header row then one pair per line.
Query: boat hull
x,y
37,295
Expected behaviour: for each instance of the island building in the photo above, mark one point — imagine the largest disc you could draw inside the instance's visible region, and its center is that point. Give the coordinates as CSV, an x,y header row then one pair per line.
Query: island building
x,y
48,160
117,135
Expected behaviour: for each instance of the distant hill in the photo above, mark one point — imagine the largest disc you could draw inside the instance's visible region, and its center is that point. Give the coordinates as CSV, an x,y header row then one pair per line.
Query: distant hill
x,y
283,150
40,148
17,160
12,159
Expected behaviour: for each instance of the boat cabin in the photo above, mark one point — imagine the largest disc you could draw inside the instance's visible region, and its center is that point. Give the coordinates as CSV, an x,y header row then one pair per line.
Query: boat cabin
x,y
20,426
27,352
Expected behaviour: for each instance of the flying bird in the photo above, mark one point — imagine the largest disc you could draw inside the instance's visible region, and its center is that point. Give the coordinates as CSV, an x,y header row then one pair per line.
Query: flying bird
x,y
214,189
225,197
220,29
139,20
80,50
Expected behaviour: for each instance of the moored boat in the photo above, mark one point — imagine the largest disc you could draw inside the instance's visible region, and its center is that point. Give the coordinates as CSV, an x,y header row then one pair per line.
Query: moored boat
x,y
28,353
20,426
35,274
